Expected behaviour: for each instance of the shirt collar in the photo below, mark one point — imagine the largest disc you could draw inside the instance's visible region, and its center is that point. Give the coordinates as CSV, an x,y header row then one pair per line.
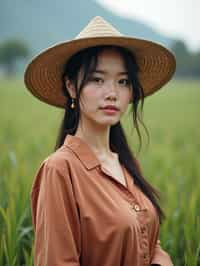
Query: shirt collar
x,y
82,151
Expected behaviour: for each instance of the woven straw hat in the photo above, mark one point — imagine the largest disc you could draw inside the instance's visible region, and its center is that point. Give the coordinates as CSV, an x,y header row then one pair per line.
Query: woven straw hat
x,y
43,74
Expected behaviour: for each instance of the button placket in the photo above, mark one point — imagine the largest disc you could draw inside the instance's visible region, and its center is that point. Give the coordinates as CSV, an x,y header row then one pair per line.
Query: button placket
x,y
145,250
144,245
130,198
143,230
145,256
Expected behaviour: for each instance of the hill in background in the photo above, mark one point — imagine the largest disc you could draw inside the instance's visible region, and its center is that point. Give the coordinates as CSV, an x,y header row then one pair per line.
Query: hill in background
x,y
43,23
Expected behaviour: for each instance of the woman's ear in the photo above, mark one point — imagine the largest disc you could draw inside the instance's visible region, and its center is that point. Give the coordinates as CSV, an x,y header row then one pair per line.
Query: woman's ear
x,y
70,87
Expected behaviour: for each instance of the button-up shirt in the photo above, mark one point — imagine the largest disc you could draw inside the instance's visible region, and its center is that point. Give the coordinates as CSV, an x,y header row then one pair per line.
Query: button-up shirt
x,y
83,216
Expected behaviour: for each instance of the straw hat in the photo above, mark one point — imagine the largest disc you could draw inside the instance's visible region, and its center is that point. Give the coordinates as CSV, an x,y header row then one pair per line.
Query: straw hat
x,y
43,74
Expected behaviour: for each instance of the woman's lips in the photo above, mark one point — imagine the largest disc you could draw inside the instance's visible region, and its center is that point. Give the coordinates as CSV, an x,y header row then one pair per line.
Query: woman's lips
x,y
110,111
112,107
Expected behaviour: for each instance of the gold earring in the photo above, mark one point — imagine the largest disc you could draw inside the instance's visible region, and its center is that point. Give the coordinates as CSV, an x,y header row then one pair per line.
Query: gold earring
x,y
73,103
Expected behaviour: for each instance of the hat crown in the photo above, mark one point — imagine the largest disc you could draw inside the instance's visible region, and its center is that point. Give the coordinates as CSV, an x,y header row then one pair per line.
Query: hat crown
x,y
98,27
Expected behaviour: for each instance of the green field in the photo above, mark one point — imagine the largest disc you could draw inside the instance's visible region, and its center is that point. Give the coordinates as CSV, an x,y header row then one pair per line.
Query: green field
x,y
171,162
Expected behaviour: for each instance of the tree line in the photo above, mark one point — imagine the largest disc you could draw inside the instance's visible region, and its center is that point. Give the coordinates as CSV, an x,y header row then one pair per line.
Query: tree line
x,y
188,63
13,50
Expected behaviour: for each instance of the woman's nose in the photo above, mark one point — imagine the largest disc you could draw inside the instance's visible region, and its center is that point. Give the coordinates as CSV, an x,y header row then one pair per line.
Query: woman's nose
x,y
111,97
112,92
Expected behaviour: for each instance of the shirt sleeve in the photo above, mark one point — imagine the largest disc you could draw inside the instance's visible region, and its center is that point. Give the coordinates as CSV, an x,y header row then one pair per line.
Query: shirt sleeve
x,y
161,257
55,219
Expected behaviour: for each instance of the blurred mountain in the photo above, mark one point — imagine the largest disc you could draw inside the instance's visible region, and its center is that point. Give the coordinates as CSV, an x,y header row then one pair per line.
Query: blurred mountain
x,y
44,23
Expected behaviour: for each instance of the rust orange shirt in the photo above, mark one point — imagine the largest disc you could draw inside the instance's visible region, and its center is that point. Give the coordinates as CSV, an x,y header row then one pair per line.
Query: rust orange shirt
x,y
83,216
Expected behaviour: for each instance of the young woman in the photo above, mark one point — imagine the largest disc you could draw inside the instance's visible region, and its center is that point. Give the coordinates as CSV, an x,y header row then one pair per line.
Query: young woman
x,y
91,205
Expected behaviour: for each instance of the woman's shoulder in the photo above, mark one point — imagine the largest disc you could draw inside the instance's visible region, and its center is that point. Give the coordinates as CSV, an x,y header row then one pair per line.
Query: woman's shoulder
x,y
60,159
56,164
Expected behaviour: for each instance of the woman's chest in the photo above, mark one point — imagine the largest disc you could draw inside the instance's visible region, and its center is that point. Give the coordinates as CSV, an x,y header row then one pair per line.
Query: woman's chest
x,y
114,169
102,198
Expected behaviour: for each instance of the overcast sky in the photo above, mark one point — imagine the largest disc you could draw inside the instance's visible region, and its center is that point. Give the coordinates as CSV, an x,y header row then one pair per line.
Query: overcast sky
x,y
176,18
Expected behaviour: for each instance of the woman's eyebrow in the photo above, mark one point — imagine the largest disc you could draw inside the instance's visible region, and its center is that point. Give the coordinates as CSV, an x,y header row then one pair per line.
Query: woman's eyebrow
x,y
98,71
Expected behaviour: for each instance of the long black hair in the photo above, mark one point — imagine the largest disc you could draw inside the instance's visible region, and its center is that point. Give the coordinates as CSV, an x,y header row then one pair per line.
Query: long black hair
x,y
86,60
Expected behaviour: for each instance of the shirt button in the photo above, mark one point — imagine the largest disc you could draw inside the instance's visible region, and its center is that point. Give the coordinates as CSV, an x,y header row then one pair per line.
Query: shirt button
x,y
145,256
143,229
137,207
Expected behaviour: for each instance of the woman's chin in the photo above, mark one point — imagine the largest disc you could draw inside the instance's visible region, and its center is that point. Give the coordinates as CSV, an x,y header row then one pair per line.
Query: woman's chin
x,y
108,122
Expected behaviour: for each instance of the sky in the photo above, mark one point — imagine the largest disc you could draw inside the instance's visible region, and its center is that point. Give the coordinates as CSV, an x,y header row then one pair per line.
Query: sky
x,y
178,19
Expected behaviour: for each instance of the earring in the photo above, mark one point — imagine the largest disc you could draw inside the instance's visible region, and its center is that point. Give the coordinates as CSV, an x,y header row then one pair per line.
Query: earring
x,y
73,103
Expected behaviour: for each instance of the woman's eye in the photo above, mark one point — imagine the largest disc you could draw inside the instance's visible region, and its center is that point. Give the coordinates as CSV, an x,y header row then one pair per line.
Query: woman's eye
x,y
124,82
96,80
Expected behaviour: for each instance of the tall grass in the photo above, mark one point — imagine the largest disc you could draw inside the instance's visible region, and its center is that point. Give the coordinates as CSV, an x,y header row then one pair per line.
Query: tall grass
x,y
171,163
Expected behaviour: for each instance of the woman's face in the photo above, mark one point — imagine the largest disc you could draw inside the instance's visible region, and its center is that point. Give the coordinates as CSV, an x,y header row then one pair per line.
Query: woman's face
x,y
107,85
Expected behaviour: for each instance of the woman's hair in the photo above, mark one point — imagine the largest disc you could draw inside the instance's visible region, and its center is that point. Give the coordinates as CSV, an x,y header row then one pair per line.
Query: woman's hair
x,y
86,60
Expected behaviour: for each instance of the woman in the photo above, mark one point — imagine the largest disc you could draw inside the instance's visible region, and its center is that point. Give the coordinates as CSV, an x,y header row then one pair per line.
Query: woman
x,y
91,206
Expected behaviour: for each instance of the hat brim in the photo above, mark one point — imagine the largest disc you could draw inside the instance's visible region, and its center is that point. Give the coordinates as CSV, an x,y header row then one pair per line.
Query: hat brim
x,y
43,74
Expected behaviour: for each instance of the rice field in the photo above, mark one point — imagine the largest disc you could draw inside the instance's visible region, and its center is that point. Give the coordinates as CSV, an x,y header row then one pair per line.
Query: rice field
x,y
171,162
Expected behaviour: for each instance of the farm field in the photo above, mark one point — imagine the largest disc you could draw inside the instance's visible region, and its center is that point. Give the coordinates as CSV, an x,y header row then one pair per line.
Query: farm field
x,y
171,162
